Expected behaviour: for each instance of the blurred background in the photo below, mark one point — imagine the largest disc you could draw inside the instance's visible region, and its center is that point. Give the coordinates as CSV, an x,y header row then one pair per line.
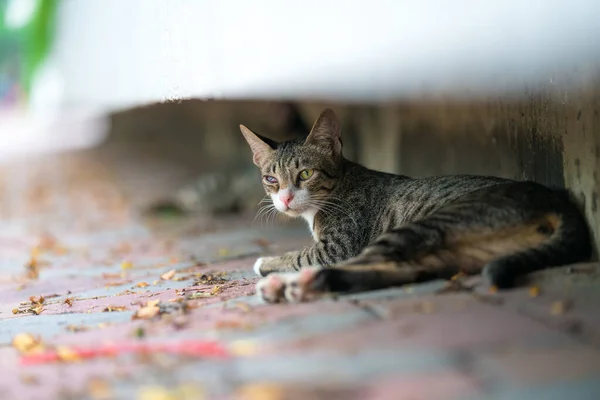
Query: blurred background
x,y
157,89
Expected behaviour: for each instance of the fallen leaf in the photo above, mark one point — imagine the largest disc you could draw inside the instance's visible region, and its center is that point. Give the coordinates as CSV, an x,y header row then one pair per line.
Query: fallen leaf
x,y
457,276
99,389
76,328
261,391
143,284
69,301
182,392
262,242
26,343
33,266
147,312
243,348
560,307
66,354
126,265
224,252
216,290
233,325
426,307
29,380
114,308
243,306
534,291
38,300
37,310
117,283
198,295
152,303
155,393
168,275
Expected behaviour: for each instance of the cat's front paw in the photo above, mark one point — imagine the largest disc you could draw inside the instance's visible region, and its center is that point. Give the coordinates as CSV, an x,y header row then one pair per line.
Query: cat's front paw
x,y
263,262
294,287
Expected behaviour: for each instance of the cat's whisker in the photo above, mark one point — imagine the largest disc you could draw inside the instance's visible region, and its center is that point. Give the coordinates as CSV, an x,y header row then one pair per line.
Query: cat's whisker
x,y
330,207
264,212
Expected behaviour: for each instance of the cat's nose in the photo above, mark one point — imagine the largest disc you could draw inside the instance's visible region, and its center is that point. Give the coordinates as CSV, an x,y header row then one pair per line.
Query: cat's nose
x,y
286,198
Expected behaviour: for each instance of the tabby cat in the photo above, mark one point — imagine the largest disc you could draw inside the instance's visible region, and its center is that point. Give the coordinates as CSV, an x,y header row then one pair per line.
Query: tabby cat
x,y
375,230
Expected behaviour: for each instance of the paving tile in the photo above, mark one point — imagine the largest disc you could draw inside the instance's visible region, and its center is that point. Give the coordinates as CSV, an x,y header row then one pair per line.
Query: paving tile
x,y
530,366
440,322
442,385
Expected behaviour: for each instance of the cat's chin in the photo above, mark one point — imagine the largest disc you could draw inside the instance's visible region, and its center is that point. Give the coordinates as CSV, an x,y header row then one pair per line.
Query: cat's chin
x,y
294,213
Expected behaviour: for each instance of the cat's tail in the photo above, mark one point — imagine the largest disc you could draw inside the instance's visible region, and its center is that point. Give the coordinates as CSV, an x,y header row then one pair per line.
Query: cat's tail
x,y
569,243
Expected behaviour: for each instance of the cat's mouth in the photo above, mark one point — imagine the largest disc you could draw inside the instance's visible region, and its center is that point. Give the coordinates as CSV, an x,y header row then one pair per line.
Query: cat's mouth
x,y
294,211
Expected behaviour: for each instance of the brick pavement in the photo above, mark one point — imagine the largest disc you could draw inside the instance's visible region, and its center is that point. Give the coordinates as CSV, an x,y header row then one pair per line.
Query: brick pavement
x,y
97,261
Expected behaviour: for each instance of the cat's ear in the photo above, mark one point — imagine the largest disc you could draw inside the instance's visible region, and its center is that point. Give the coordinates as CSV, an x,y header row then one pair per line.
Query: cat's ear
x,y
327,132
260,149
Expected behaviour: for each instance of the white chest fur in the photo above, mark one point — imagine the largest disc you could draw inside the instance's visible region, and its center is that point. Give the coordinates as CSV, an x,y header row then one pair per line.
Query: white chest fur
x,y
309,216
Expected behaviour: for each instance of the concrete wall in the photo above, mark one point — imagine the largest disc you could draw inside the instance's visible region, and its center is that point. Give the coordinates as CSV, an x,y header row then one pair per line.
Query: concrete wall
x,y
549,136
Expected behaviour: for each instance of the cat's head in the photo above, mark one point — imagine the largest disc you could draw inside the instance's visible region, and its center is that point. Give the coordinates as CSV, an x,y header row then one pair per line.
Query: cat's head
x,y
299,175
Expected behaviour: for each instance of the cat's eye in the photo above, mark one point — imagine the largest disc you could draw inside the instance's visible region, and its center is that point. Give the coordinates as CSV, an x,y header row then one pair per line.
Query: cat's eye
x,y
305,174
270,179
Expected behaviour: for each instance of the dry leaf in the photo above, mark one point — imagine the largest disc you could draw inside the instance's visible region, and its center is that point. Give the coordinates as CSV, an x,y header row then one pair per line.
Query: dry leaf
x,y
183,392
198,295
37,310
168,275
126,265
65,354
69,301
224,252
457,276
152,303
26,343
155,393
39,300
243,348
233,325
262,242
143,284
261,391
147,312
76,328
244,307
99,389
559,307
427,307
216,290
29,379
114,308
534,291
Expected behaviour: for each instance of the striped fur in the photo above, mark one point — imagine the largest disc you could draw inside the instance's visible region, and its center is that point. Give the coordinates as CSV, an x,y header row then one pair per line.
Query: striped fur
x,y
375,230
